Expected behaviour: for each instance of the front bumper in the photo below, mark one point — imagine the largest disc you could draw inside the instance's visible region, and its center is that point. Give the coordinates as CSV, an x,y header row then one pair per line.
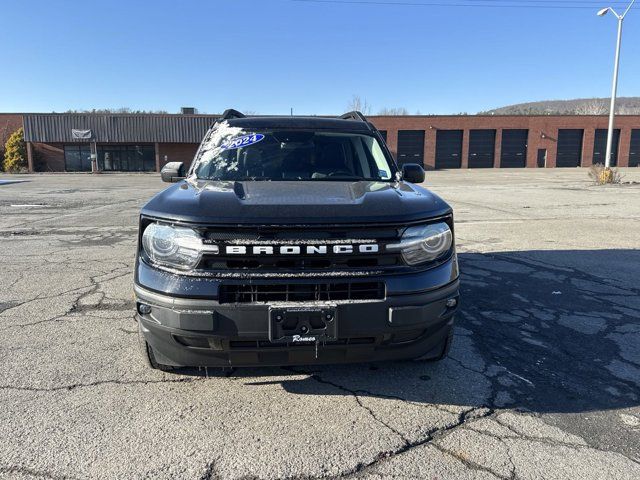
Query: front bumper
x,y
202,332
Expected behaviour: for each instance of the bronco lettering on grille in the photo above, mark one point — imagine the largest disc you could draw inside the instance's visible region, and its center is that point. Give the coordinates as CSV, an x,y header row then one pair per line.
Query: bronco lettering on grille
x,y
299,249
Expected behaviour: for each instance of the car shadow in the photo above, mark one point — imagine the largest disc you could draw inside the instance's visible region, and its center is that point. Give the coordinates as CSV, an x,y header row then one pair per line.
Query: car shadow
x,y
543,331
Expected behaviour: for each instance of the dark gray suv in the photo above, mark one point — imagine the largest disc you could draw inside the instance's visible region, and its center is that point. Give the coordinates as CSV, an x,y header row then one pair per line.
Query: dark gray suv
x,y
294,240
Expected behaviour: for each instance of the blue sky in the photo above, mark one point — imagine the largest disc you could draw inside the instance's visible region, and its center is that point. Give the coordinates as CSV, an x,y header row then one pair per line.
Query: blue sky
x,y
270,55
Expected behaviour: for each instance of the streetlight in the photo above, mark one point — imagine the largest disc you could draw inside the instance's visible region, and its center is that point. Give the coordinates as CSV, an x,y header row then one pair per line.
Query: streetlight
x,y
614,89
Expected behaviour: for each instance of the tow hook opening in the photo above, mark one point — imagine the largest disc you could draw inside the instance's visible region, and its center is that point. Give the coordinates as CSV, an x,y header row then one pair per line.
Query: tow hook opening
x,y
143,308
452,302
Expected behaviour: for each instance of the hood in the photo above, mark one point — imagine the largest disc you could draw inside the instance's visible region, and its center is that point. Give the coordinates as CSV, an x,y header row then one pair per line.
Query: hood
x,y
290,202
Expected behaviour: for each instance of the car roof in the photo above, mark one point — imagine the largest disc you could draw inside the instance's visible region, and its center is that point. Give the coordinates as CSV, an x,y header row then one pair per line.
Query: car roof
x,y
310,123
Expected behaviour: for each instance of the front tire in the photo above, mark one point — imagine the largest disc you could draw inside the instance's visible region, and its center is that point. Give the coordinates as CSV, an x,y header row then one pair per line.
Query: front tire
x,y
147,353
440,351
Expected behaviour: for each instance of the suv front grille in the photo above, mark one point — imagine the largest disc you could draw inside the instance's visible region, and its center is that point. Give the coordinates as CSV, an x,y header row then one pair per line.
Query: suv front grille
x,y
278,261
274,263
248,293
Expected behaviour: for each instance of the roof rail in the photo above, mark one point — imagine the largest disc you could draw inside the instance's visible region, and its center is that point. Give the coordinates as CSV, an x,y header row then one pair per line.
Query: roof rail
x,y
355,115
229,114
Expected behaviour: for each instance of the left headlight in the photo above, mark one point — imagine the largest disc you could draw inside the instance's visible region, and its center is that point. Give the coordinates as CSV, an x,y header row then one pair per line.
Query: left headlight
x,y
424,243
176,247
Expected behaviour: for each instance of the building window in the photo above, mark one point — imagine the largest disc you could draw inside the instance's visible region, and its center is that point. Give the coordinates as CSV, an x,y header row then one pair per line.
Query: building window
x,y
383,133
77,158
126,158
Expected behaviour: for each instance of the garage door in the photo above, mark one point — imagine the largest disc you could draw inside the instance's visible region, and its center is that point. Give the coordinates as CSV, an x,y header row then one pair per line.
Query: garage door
x,y
514,148
482,148
569,148
600,147
448,149
411,147
634,151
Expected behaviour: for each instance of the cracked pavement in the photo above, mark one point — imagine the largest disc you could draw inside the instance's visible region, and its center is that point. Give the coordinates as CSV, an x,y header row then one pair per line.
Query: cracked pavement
x,y
543,380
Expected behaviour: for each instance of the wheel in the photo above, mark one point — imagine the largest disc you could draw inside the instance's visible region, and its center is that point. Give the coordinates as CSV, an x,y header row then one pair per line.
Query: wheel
x,y
147,353
447,346
440,351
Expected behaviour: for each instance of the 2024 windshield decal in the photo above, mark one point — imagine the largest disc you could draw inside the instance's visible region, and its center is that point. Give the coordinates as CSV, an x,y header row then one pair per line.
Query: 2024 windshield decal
x,y
243,141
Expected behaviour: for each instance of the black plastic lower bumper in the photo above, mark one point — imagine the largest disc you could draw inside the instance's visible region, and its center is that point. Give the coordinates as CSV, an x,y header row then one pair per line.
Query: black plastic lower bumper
x,y
199,332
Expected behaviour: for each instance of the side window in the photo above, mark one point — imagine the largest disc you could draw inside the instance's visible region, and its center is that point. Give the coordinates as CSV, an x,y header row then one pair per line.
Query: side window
x,y
384,172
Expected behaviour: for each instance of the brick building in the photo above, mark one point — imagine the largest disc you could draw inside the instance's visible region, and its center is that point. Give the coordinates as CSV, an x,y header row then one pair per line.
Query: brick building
x,y
145,142
115,142
474,141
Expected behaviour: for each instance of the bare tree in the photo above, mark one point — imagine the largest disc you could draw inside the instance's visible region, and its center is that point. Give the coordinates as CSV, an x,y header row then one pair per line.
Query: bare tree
x,y
593,106
116,110
628,110
359,105
393,111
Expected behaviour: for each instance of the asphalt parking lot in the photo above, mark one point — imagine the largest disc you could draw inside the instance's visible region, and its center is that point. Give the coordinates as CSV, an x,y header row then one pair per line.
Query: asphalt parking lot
x,y
543,380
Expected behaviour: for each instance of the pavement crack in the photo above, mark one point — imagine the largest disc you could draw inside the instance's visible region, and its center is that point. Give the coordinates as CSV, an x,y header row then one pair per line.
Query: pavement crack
x,y
481,372
575,273
356,396
464,417
210,473
76,306
75,386
471,465
546,441
18,469
471,414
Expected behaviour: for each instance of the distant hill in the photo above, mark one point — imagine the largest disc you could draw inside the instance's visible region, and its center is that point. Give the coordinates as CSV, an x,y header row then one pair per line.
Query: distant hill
x,y
580,106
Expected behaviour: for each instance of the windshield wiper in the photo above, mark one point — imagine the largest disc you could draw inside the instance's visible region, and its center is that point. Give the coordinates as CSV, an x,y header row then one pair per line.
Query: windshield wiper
x,y
343,178
242,179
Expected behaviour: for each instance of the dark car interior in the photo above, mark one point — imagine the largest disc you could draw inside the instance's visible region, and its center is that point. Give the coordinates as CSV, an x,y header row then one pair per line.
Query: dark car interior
x,y
298,156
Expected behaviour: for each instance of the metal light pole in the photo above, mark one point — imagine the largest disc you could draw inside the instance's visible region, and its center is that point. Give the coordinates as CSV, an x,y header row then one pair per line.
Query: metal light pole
x,y
614,88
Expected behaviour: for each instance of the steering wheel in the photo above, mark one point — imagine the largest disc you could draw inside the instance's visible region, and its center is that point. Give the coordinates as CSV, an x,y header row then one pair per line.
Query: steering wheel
x,y
341,173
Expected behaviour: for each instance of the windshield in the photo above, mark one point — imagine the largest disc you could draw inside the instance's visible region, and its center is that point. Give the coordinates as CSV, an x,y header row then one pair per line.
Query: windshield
x,y
233,154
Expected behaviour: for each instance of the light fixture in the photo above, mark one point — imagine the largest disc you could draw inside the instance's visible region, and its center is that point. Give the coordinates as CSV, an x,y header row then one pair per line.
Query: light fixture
x,y
614,89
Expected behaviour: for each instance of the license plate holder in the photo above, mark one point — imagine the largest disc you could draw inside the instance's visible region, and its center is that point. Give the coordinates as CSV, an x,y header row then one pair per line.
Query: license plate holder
x,y
302,325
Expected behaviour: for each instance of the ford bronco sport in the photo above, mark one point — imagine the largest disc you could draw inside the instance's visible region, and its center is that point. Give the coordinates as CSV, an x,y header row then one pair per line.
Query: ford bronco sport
x,y
294,240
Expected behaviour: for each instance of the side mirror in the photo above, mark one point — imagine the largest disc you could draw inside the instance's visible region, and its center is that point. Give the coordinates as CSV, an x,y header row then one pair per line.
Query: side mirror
x,y
172,172
412,172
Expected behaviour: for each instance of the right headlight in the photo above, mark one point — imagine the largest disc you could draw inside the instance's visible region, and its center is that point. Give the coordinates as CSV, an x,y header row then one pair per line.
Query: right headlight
x,y
176,247
424,243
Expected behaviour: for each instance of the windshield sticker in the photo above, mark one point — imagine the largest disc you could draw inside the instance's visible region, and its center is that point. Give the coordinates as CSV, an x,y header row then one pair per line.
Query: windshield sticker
x,y
243,141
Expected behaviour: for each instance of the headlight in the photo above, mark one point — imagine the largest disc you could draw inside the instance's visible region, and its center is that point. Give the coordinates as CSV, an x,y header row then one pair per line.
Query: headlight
x,y
424,243
176,247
